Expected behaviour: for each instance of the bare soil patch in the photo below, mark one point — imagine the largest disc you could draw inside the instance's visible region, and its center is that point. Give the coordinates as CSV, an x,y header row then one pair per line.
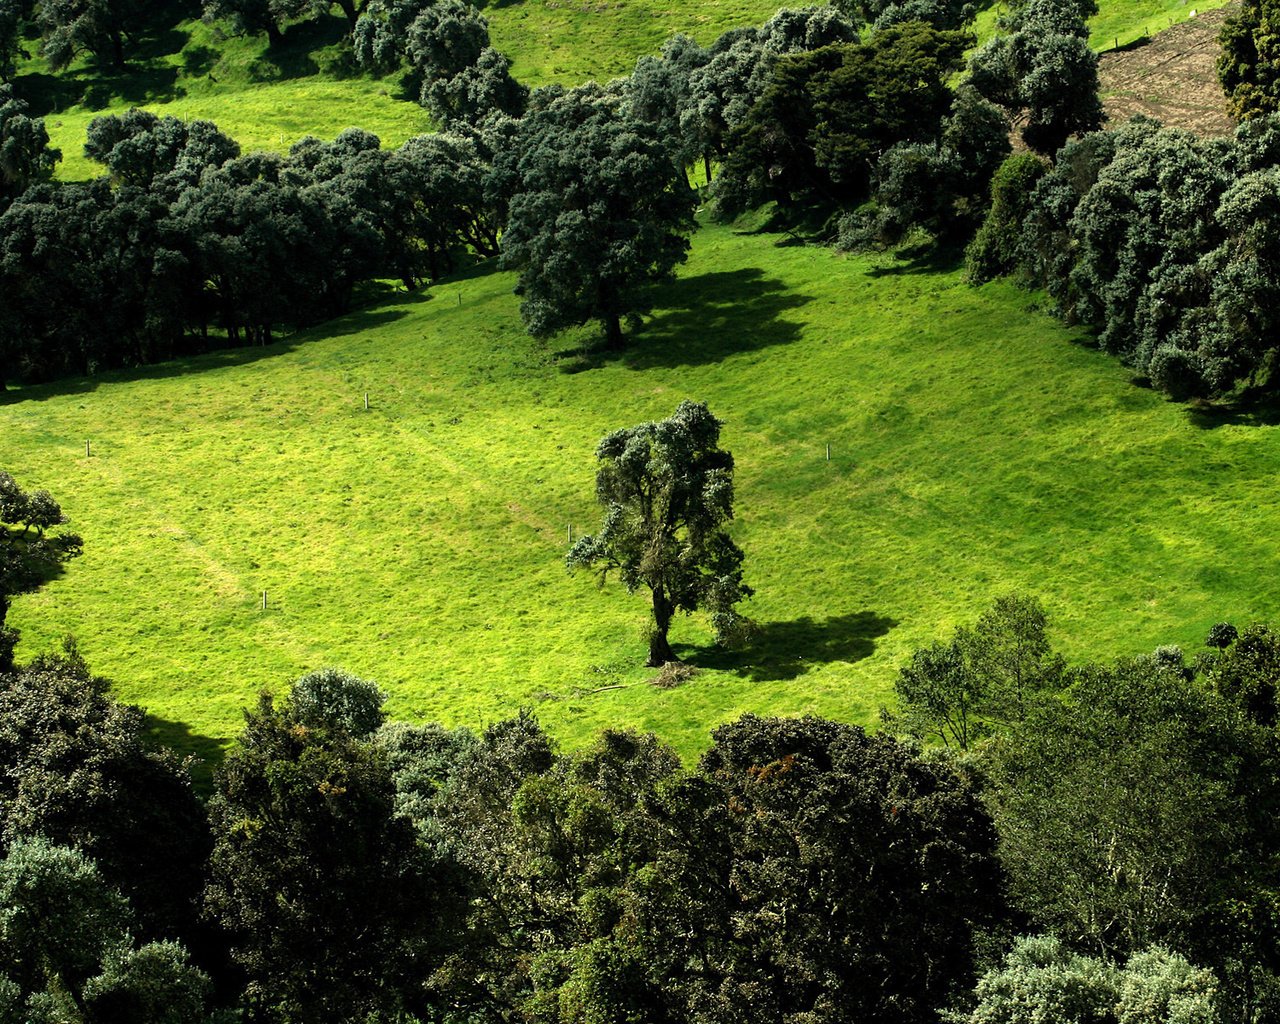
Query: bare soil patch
x,y
1171,77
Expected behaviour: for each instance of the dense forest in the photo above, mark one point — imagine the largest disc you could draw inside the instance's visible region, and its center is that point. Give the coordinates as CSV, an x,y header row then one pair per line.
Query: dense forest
x,y
1024,839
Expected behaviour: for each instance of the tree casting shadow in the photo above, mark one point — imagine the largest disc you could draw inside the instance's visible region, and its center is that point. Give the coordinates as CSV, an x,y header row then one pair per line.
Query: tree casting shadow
x,y
786,650
215,359
708,317
1257,408
206,751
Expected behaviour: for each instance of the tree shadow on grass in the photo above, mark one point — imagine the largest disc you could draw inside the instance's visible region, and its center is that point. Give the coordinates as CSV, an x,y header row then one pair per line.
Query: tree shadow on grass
x,y
1258,409
787,650
206,751
924,258
708,317
218,359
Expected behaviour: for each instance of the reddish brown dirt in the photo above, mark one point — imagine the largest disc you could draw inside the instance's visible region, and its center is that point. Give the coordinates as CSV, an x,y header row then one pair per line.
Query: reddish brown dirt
x,y
1171,78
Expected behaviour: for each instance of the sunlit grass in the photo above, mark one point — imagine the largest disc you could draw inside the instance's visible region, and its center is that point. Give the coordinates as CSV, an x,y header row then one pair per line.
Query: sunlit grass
x,y
1118,21
976,447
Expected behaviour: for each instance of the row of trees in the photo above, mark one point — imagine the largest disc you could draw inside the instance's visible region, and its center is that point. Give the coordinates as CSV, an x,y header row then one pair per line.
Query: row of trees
x,y
1104,851
1135,801
1161,241
185,242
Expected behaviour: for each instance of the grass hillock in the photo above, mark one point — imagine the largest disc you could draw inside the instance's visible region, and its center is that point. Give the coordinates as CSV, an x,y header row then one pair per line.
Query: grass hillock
x,y
977,446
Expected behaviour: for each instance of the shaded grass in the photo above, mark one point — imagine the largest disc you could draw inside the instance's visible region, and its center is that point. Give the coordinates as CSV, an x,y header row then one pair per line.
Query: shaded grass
x,y
976,447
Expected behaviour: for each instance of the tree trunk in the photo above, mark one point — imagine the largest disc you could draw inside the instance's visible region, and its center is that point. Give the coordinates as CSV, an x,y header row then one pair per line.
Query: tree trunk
x,y
706,164
613,338
348,8
117,49
274,36
660,651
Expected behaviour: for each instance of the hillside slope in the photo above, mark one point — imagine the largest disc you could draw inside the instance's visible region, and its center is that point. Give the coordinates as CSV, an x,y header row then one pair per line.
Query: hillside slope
x,y
976,447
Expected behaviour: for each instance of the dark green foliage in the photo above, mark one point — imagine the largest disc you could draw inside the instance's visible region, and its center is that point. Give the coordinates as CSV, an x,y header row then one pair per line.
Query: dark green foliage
x,y
152,985
381,33
1246,669
25,156
32,548
138,148
1047,251
13,15
1045,67
187,238
476,92
253,16
943,14
1163,242
803,30
98,249
667,492
823,119
721,91
463,80
805,872
58,916
660,92
1043,980
985,677
1248,61
337,701
848,882
599,212
994,250
446,38
1150,213
1138,811
940,186
737,68
470,795
560,870
78,770
67,954
99,27
314,875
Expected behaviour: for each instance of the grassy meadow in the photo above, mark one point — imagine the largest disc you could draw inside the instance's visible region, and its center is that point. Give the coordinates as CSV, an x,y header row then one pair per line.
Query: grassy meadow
x,y
977,447
268,98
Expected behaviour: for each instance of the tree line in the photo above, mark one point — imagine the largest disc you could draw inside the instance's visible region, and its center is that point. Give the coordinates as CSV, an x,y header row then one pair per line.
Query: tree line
x,y
1098,848
185,243
858,123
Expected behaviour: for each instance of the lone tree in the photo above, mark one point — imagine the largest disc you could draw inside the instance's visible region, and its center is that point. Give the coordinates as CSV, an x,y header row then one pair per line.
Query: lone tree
x,y
667,491
29,556
600,210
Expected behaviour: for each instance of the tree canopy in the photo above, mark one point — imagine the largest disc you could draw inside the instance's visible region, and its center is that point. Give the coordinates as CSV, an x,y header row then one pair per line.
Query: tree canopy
x,y
667,492
599,211
33,548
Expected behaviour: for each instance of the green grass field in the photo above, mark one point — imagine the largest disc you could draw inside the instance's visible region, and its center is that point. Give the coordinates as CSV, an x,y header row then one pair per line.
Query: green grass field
x,y
1118,21
268,99
976,447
